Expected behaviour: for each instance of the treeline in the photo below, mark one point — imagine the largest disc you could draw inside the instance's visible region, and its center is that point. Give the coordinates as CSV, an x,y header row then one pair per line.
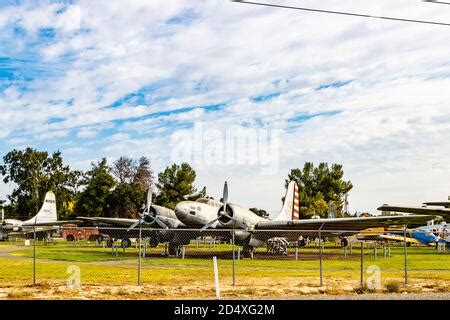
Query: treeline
x,y
112,190
118,189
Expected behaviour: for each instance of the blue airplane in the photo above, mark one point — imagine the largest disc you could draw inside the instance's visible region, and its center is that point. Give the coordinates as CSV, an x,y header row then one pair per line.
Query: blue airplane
x,y
432,234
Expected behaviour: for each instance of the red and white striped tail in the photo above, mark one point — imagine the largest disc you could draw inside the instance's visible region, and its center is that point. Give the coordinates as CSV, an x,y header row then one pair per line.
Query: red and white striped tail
x,y
290,210
296,208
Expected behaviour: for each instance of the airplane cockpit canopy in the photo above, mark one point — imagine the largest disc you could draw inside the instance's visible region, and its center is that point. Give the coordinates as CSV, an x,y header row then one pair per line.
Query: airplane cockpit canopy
x,y
209,201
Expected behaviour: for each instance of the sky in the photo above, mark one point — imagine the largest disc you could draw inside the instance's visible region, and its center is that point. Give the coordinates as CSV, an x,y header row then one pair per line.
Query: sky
x,y
176,80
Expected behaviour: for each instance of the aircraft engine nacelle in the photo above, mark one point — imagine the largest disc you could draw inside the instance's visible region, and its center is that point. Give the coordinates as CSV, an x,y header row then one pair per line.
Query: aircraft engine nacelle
x,y
153,213
244,216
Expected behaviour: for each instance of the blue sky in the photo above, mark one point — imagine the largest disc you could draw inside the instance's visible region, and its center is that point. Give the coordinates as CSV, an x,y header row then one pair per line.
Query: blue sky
x,y
92,80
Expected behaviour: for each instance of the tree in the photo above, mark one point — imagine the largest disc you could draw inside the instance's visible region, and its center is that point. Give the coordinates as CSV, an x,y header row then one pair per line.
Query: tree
x,y
259,212
126,200
318,186
175,183
93,201
127,170
133,177
34,173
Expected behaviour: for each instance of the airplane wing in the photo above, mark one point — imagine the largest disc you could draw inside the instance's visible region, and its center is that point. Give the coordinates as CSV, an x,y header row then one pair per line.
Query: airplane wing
x,y
50,223
345,224
399,238
125,222
445,213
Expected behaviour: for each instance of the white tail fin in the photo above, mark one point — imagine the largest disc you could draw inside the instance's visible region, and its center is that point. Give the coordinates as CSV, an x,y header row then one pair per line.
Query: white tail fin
x,y
290,210
47,212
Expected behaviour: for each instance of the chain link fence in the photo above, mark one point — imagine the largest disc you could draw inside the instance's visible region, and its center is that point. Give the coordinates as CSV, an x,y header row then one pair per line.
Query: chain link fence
x,y
249,264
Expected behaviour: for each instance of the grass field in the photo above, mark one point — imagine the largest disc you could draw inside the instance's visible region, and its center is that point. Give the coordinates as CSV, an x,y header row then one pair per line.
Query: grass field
x,y
104,275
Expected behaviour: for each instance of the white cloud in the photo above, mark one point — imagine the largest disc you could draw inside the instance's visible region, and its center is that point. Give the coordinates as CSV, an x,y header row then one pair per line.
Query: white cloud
x,y
391,134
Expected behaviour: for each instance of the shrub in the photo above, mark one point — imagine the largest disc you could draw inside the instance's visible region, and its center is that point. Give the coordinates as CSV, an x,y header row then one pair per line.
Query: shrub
x,y
393,287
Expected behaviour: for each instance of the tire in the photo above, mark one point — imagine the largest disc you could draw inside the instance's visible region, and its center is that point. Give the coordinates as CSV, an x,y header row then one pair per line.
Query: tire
x,y
70,238
344,242
302,243
153,244
174,249
125,243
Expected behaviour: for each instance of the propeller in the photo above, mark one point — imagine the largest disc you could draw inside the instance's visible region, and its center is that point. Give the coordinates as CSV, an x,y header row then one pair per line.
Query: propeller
x,y
223,213
146,215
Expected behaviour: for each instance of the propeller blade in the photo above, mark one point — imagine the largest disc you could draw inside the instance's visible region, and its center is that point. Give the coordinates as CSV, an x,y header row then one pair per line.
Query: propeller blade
x,y
160,223
209,224
225,196
134,225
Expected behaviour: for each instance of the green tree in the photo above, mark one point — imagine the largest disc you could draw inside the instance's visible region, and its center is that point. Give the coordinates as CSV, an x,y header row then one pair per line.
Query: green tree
x,y
318,186
260,212
34,173
175,183
99,182
133,177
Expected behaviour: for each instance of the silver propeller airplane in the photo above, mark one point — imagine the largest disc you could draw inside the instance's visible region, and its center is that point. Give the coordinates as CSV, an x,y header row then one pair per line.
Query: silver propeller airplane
x,y
255,231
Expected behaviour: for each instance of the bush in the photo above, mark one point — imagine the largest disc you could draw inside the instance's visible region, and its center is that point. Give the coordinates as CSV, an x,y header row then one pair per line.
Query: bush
x,y
393,287
364,289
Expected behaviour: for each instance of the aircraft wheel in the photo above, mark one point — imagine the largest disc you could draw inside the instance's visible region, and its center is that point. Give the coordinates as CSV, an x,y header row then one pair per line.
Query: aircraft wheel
x,y
248,251
109,243
153,244
174,249
70,238
344,242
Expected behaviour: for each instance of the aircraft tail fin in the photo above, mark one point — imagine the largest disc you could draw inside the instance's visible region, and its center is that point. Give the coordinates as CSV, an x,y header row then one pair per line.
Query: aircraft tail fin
x,y
290,209
47,212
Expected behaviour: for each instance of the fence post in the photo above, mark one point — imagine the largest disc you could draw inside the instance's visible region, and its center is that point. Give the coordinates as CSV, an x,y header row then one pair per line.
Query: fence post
x,y
406,259
345,253
362,263
216,278
34,253
139,258
351,248
234,262
296,253
320,254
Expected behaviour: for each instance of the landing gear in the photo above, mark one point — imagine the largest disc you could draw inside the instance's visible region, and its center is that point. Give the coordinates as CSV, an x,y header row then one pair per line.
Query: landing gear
x,y
302,243
153,243
174,250
109,243
248,251
344,242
